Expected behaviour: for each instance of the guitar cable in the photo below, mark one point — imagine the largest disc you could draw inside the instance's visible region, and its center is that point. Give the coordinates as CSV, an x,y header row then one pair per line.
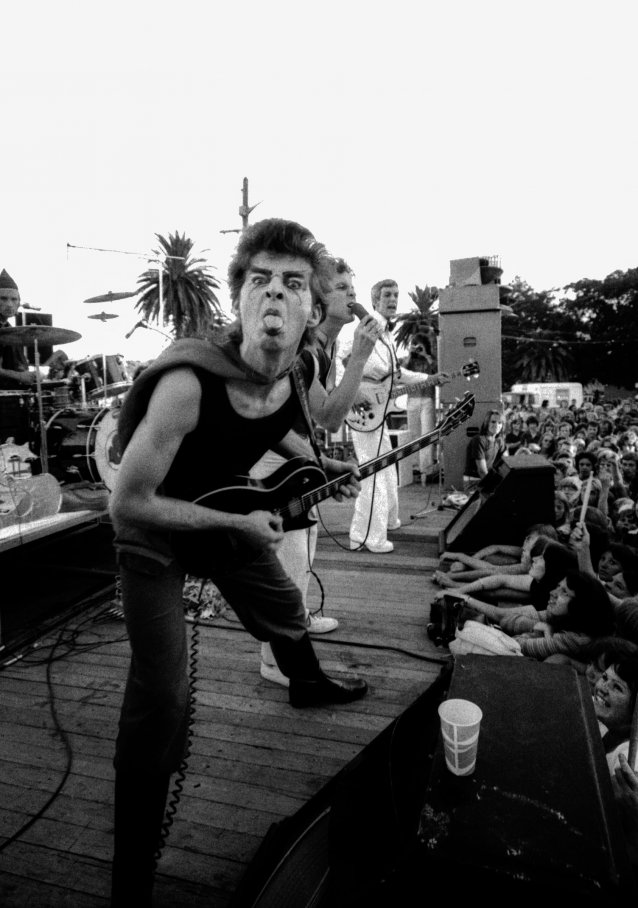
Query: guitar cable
x,y
180,777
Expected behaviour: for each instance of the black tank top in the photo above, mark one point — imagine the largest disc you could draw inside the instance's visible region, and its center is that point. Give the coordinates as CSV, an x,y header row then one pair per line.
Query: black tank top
x,y
224,444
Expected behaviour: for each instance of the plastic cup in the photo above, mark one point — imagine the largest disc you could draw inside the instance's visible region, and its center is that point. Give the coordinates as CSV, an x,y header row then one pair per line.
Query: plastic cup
x,y
460,727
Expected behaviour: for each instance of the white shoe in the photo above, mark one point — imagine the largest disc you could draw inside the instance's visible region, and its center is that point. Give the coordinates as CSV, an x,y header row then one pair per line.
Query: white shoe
x,y
382,549
396,525
318,624
272,673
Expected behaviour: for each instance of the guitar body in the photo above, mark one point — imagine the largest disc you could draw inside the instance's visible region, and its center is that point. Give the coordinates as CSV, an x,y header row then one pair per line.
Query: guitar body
x,y
290,492
276,493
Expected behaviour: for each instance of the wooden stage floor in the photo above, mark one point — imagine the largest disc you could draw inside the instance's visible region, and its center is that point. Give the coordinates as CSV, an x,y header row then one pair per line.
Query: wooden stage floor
x,y
254,760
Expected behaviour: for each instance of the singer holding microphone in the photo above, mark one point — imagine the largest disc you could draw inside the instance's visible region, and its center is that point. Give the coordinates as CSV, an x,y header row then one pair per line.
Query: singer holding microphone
x,y
14,368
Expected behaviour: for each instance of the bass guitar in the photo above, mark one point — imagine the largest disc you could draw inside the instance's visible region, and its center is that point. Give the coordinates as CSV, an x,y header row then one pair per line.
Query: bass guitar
x,y
291,491
368,416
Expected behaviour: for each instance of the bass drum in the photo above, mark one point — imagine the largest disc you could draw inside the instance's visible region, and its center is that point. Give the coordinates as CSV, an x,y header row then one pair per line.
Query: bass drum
x,y
82,445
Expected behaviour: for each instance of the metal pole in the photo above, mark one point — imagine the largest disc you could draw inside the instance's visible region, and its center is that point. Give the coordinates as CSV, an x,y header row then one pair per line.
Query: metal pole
x,y
44,453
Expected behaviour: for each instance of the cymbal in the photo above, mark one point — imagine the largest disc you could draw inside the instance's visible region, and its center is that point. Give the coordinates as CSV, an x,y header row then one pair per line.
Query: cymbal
x,y
103,316
111,297
25,335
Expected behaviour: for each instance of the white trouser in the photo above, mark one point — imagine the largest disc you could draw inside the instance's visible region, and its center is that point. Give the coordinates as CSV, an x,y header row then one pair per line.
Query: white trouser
x,y
378,503
297,551
420,421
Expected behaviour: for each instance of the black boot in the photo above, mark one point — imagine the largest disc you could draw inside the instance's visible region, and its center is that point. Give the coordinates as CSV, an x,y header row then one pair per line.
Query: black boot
x,y
309,686
140,802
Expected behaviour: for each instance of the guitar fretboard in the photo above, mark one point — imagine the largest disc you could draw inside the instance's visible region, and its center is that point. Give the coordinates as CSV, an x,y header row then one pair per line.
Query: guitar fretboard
x,y
303,503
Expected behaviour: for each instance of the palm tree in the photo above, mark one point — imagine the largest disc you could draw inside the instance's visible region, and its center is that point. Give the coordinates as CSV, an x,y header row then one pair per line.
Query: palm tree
x,y
420,320
189,305
545,357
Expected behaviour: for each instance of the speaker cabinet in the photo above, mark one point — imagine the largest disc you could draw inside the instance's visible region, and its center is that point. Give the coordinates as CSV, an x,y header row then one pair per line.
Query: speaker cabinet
x,y
519,493
470,324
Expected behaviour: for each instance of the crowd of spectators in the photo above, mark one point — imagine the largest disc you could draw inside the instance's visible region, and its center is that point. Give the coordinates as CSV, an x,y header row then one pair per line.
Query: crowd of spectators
x,y
569,594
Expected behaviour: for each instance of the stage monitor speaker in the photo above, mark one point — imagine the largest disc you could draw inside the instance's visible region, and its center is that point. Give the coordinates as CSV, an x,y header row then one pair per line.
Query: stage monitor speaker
x,y
517,494
33,318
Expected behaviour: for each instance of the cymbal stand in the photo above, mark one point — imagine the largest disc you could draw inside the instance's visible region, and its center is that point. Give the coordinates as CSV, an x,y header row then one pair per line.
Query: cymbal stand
x,y
44,453
105,399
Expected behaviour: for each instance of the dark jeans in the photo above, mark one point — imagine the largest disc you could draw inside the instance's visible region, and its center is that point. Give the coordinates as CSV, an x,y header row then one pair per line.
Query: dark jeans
x,y
154,718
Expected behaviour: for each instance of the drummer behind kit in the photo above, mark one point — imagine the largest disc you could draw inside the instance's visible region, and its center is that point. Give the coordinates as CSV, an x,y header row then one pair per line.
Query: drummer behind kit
x,y
64,432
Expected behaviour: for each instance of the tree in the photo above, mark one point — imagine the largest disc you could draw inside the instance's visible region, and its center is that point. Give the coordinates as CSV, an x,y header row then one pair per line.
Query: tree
x,y
420,320
607,311
536,336
189,306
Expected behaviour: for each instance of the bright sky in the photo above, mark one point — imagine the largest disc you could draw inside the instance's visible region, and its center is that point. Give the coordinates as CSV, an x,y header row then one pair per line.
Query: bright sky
x,y
404,134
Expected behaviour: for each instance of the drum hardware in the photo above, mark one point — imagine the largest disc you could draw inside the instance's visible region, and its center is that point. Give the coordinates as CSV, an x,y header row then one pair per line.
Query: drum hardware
x,y
15,460
33,335
111,297
84,446
102,377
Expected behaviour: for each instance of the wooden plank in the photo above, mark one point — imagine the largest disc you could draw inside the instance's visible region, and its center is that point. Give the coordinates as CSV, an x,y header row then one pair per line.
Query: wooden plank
x,y
253,759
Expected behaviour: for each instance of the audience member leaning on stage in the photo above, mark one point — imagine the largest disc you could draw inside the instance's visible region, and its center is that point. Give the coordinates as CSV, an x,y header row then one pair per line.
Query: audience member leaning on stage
x,y
329,407
493,559
377,507
549,564
169,429
14,368
614,701
578,612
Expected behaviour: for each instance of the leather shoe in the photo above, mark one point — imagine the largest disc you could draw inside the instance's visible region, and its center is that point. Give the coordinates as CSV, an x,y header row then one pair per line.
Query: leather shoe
x,y
322,690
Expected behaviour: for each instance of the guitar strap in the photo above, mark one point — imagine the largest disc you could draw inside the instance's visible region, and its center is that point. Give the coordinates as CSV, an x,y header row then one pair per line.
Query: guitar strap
x,y
302,394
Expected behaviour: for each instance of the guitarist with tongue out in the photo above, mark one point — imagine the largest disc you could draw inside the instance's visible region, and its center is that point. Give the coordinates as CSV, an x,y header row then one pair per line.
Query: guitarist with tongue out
x,y
201,414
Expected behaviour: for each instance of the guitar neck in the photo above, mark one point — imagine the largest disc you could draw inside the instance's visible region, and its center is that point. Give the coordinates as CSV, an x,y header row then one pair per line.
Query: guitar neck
x,y
419,386
369,468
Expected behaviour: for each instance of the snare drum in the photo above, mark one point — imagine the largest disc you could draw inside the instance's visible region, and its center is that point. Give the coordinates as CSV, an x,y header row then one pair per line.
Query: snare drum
x,y
103,376
83,445
15,415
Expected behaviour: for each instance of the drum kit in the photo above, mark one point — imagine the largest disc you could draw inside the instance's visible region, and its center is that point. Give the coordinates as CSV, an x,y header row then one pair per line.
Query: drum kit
x,y
69,422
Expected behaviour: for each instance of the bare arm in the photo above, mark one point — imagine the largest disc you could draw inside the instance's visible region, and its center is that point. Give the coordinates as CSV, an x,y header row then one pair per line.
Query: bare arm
x,y
329,409
172,413
520,583
579,543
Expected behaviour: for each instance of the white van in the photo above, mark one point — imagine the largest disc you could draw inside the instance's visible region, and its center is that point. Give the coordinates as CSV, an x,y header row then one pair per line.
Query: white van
x,y
557,394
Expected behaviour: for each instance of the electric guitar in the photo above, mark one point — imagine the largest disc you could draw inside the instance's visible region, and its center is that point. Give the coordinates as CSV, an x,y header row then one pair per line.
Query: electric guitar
x,y
367,417
290,492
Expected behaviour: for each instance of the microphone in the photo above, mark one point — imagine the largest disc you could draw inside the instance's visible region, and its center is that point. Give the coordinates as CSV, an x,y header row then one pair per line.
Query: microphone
x,y
358,310
29,306
141,324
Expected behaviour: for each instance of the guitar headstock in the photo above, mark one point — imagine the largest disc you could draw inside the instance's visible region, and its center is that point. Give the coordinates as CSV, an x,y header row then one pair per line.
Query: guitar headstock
x,y
471,369
457,413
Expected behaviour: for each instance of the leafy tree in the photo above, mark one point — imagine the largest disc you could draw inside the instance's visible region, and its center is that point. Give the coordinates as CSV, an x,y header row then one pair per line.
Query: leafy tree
x,y
536,336
420,320
189,306
607,311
